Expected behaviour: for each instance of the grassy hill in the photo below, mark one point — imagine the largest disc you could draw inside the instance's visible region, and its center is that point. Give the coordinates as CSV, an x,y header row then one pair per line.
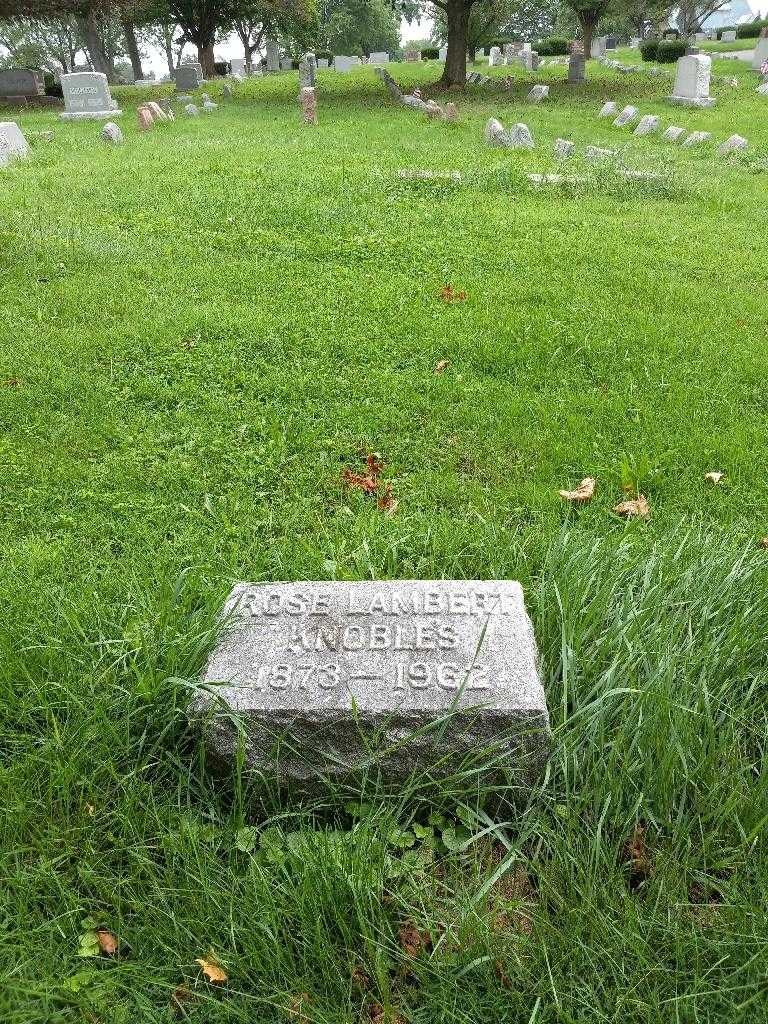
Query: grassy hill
x,y
199,331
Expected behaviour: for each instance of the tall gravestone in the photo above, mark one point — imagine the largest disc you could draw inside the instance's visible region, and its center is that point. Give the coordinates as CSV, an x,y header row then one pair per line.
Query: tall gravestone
x,y
87,97
692,81
12,142
308,71
343,62
20,82
495,57
238,66
577,65
761,50
188,77
273,55
392,677
378,57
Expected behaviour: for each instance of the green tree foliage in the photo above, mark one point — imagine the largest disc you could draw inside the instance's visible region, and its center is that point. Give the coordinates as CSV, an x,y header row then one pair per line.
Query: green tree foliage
x,y
357,26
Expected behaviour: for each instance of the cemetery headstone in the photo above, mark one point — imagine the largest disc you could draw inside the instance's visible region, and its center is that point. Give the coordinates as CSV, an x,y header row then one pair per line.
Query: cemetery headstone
x,y
762,89
577,65
322,63
87,97
692,81
111,133
733,144
308,97
392,86
598,46
379,57
761,50
538,93
165,106
564,149
273,55
412,56
21,82
286,63
192,110
146,120
697,138
443,54
673,134
308,71
329,678
728,36
495,57
608,109
596,154
181,98
208,105
238,66
342,62
627,116
12,142
648,124
188,77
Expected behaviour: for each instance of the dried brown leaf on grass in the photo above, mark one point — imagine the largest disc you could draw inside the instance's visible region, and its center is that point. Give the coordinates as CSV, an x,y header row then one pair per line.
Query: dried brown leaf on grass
x,y
212,969
370,483
297,1006
584,492
447,294
108,942
412,941
636,853
388,502
442,366
763,542
634,508
378,1015
180,999
360,979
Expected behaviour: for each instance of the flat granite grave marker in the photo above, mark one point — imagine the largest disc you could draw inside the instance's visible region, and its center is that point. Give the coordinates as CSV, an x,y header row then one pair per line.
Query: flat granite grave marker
x,y
627,116
87,97
329,679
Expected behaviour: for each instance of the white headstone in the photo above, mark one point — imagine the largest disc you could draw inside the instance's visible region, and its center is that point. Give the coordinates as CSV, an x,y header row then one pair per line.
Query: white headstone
x,y
697,138
111,133
495,59
673,134
761,52
87,97
692,81
238,65
733,144
341,62
379,57
564,149
627,116
12,142
443,53
648,124
728,37
538,93
608,110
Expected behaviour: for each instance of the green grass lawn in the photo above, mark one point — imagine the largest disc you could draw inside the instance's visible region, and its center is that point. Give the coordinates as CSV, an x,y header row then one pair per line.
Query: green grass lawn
x,y
198,332
710,46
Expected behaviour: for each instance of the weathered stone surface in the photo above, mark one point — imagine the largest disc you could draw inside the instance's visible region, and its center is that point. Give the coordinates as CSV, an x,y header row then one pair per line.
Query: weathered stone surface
x,y
648,124
188,77
763,89
12,142
146,120
342,62
192,110
308,98
627,116
577,66
696,138
556,179
564,149
608,110
412,173
21,82
495,60
308,71
450,112
761,51
87,97
182,98
538,93
238,66
691,87
111,133
596,154
330,679
673,134
157,111
728,37
518,137
379,57
733,144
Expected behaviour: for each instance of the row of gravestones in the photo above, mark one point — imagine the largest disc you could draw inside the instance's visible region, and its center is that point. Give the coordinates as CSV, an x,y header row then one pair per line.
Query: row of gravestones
x,y
651,123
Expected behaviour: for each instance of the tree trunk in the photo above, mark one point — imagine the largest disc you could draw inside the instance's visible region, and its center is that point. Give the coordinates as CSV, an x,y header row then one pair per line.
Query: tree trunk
x,y
457,18
93,40
168,47
588,22
132,47
205,56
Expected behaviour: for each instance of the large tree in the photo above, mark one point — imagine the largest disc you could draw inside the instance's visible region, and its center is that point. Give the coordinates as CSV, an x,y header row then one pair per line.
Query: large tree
x,y
357,26
589,13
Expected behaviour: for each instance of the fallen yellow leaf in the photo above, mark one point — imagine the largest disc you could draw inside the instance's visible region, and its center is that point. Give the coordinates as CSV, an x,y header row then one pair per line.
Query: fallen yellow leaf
x,y
634,507
583,492
713,477
442,365
107,941
212,969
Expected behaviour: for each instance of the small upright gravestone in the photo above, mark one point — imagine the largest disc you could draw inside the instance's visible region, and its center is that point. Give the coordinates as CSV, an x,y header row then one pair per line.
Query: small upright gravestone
x,y
728,37
12,142
379,57
87,97
648,124
518,137
577,65
495,58
237,65
412,56
608,109
188,77
538,93
761,50
627,116
111,133
343,62
692,81
273,55
146,118
308,97
390,678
